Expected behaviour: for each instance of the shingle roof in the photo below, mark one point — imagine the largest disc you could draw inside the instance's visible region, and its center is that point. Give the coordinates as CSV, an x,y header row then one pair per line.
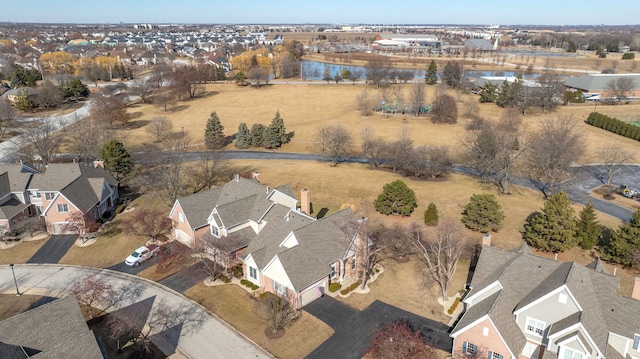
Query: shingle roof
x,y
597,82
197,207
12,207
15,178
55,330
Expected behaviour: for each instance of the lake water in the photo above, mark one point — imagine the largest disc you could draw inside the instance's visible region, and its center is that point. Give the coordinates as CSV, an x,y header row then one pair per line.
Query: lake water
x,y
314,70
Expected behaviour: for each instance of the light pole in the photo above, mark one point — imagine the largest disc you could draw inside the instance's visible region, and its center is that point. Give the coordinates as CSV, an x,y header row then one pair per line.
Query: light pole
x,y
14,279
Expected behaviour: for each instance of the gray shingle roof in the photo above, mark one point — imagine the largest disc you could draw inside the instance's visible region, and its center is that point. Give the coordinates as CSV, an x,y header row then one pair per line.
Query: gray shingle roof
x,y
197,207
597,82
55,330
12,207
15,178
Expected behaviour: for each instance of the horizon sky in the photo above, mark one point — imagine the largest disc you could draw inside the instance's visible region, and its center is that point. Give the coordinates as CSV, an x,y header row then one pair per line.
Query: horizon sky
x,y
496,12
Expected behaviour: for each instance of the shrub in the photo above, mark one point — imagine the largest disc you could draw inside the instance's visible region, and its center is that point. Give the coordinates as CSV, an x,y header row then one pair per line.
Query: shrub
x,y
237,271
334,287
243,282
224,278
120,208
628,56
454,306
254,286
350,288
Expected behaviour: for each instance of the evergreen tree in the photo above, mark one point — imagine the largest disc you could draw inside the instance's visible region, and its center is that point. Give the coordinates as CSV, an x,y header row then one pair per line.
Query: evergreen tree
x,y
452,73
257,134
431,77
624,247
588,229
214,132
553,230
483,213
275,134
116,159
397,199
488,93
279,129
243,138
431,215
22,101
75,89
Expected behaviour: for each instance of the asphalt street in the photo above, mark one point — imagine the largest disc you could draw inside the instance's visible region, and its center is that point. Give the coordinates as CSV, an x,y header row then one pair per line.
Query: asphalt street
x,y
54,249
196,333
353,328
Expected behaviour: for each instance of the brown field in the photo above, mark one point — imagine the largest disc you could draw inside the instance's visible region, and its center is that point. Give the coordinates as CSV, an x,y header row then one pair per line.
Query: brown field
x,y
21,252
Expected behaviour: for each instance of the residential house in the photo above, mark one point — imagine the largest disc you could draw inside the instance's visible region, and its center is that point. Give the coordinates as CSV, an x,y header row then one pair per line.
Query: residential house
x,y
281,248
68,192
14,94
596,86
480,45
520,305
14,195
53,330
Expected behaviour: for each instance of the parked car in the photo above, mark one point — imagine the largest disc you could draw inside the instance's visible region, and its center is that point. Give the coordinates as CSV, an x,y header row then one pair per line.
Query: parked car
x,y
141,254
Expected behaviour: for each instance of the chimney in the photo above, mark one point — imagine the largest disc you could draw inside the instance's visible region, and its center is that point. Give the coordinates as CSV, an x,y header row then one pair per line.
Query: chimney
x,y
486,239
236,177
305,203
636,289
98,163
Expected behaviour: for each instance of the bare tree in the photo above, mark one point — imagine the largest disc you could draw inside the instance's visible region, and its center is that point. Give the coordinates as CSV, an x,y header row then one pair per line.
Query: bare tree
x,y
374,148
186,82
258,75
400,340
620,88
367,102
149,223
142,88
50,96
39,144
553,148
109,110
399,152
86,137
549,93
81,224
445,110
378,71
212,168
160,128
440,249
8,115
613,158
277,312
497,149
470,107
336,142
95,293
418,96
429,160
166,170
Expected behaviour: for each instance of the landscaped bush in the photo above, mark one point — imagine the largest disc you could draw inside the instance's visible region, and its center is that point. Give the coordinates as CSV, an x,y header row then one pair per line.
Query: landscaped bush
x,y
244,282
628,56
614,125
573,97
454,306
237,271
334,287
350,288
120,208
254,286
224,278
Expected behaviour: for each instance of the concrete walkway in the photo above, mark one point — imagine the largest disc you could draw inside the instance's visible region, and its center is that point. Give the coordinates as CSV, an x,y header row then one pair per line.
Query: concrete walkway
x,y
199,335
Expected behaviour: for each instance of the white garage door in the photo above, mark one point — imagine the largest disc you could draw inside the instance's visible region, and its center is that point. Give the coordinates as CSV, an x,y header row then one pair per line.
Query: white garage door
x,y
312,293
59,228
182,237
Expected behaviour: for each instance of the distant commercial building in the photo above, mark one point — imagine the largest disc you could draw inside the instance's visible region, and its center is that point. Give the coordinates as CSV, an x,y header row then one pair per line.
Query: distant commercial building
x,y
407,43
595,87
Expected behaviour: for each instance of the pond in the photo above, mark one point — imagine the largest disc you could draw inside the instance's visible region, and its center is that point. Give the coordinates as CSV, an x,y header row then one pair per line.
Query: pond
x,y
314,70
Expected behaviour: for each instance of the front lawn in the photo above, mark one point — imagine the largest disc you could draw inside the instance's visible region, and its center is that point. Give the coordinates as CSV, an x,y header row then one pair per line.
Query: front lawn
x,y
238,308
21,252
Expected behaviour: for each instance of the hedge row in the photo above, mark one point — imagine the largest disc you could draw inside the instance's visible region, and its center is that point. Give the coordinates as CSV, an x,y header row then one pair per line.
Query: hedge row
x,y
454,306
614,125
249,284
351,287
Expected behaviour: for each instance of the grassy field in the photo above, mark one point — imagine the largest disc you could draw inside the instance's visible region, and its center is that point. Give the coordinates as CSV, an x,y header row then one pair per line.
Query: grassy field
x,y
21,252
238,308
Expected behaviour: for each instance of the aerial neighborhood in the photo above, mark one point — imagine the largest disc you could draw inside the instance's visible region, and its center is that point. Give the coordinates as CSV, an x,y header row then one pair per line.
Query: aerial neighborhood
x,y
318,190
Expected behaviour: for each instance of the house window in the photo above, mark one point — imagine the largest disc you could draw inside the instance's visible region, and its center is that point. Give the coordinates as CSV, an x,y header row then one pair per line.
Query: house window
x,y
279,288
469,348
180,217
353,263
571,354
63,208
493,355
485,331
49,195
636,341
253,273
215,231
333,271
535,326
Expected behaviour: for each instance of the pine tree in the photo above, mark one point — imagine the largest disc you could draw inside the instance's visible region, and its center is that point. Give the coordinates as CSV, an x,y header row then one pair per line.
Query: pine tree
x,y
588,229
279,129
257,134
624,247
553,230
431,215
483,213
397,199
214,132
116,159
431,77
275,134
243,138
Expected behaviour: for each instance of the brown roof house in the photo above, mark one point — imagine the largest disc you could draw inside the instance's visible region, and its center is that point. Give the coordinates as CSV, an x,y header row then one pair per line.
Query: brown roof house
x,y
520,305
52,331
71,196
14,195
282,249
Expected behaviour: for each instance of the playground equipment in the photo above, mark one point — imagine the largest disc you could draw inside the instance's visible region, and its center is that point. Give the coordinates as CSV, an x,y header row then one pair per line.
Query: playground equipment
x,y
629,192
395,108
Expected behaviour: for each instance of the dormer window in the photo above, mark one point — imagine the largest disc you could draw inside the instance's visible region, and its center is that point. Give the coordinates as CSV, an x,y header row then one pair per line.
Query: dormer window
x,y
535,326
215,231
571,354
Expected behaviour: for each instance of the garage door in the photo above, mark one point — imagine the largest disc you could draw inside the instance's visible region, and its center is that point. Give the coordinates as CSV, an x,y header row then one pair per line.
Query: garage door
x,y
59,228
312,293
182,237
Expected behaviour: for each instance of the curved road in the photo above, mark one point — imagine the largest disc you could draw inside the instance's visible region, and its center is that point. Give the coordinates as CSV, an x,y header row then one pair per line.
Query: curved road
x,y
195,332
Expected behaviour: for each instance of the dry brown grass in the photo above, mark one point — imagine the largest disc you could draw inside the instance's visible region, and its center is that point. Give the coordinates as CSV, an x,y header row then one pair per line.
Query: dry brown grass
x,y
21,252
13,305
238,308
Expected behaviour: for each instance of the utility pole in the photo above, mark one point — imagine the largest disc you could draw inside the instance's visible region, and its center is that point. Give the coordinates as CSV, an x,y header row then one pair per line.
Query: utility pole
x,y
14,280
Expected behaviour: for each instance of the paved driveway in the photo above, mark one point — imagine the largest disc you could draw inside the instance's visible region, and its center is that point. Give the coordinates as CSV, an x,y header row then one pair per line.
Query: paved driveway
x,y
186,278
54,249
354,329
123,268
